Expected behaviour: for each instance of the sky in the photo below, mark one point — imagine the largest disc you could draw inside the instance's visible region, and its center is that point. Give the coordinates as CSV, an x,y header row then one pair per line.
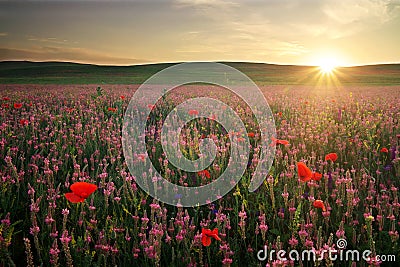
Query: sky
x,y
300,32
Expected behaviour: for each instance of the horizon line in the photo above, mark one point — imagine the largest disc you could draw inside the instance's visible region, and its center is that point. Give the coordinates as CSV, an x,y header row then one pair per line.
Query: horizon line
x,y
178,62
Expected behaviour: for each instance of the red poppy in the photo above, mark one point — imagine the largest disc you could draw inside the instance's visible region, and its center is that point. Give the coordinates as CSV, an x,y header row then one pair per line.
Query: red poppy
x,y
142,157
316,176
150,106
384,150
6,98
279,142
331,156
23,122
251,135
304,172
206,235
122,97
17,105
112,109
282,142
319,204
193,112
241,139
5,105
204,173
80,191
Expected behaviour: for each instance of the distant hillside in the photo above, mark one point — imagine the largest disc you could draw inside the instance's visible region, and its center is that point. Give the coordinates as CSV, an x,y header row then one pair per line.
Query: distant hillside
x,y
25,72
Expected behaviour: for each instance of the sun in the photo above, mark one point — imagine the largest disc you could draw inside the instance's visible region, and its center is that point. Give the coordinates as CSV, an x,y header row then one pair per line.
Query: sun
x,y
327,65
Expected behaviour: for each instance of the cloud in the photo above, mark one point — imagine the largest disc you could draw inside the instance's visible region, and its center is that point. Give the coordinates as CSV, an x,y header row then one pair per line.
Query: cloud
x,y
293,48
2,34
350,12
280,31
175,30
349,17
52,40
210,3
54,53
393,7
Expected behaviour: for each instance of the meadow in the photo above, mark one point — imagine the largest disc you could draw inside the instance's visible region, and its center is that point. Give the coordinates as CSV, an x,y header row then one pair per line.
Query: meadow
x,y
335,176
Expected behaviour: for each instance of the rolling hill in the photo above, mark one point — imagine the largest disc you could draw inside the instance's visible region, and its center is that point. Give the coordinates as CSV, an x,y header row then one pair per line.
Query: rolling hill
x,y
26,72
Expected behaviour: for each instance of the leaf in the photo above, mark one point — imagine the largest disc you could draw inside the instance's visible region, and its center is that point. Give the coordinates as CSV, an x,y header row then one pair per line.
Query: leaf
x,y
126,210
296,219
275,231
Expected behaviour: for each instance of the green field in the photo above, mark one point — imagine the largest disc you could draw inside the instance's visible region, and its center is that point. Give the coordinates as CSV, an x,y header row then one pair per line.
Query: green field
x,y
334,181
24,72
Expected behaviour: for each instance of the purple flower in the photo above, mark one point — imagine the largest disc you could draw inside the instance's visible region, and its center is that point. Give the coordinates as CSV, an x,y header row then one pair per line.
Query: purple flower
x,y
330,181
393,152
388,167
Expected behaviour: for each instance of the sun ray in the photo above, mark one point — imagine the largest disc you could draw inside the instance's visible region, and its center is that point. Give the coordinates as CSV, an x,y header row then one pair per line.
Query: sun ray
x,y
327,65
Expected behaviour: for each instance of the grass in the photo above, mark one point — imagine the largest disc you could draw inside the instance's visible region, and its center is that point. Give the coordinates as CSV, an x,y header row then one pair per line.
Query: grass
x,y
64,134
60,134
14,72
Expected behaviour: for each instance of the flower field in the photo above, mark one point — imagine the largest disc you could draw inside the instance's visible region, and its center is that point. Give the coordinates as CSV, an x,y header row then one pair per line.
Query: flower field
x,y
67,197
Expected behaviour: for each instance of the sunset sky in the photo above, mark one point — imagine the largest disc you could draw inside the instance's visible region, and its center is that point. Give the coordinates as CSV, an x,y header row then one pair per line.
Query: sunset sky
x,y
302,32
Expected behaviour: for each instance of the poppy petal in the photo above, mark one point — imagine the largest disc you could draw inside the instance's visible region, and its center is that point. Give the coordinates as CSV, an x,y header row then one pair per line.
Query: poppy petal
x,y
283,142
73,198
214,234
304,172
205,231
319,204
205,240
316,176
83,189
384,150
331,156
